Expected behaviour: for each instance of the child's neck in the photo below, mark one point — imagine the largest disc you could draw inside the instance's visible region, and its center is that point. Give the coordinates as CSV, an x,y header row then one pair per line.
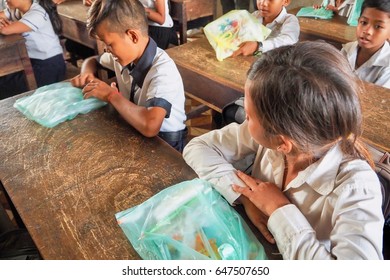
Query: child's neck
x,y
363,55
25,6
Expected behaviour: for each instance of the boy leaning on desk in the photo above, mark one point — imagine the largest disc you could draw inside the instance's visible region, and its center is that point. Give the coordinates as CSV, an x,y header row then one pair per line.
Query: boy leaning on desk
x,y
143,71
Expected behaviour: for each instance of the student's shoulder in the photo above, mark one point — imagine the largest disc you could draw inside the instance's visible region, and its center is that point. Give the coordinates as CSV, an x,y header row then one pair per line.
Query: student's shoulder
x,y
36,9
350,47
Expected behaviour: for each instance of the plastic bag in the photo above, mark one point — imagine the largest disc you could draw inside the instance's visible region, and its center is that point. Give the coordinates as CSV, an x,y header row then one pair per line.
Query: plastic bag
x,y
189,220
228,32
356,10
320,13
56,103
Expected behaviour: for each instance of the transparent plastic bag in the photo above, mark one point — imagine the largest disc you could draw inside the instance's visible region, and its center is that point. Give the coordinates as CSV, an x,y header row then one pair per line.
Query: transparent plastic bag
x,y
56,103
189,220
320,13
228,32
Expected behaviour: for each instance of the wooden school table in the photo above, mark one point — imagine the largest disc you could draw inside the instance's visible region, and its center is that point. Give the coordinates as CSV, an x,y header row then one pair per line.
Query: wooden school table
x,y
215,84
184,11
68,182
14,58
335,31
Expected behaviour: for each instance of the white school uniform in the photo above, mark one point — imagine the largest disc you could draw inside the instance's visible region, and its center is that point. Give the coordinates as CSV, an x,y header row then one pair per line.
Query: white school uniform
x,y
42,42
344,9
285,31
376,70
152,5
335,210
162,85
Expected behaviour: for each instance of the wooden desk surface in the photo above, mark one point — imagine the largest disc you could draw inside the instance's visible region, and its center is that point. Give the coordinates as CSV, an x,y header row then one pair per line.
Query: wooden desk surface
x,y
336,30
68,182
14,58
216,84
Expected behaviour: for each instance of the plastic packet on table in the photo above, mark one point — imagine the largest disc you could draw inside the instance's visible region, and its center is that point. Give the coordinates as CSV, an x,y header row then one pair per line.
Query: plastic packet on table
x,y
189,220
53,104
228,32
320,13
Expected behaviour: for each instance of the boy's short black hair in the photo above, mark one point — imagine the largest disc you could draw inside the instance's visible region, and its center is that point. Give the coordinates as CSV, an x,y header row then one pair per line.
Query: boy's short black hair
x,y
120,16
382,5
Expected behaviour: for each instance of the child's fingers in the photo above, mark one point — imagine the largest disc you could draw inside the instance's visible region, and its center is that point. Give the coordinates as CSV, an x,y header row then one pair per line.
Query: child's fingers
x,y
248,180
245,191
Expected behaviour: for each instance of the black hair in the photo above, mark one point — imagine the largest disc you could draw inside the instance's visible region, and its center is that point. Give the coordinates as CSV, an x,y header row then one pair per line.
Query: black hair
x,y
309,93
121,15
382,5
51,8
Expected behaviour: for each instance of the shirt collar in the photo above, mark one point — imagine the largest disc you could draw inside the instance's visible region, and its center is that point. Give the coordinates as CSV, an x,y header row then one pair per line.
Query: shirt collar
x,y
320,176
138,71
380,58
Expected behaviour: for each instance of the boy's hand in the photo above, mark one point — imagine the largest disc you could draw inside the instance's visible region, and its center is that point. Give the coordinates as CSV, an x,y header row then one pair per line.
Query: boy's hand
x,y
267,197
246,48
82,80
99,89
332,8
4,22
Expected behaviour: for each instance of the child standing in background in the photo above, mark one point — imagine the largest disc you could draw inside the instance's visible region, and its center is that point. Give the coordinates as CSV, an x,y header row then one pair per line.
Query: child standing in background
x,y
312,189
160,22
340,7
285,27
151,94
370,54
39,23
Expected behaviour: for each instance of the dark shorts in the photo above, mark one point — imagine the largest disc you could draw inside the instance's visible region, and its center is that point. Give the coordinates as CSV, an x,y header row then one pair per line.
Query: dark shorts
x,y
163,36
49,71
176,139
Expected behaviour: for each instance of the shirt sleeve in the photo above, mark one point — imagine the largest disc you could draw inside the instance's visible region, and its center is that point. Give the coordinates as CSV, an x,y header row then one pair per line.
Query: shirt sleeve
x,y
212,156
288,35
35,18
356,221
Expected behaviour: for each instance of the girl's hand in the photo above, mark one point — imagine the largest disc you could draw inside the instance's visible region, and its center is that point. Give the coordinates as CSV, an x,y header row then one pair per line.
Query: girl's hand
x,y
267,197
4,22
246,48
258,218
88,2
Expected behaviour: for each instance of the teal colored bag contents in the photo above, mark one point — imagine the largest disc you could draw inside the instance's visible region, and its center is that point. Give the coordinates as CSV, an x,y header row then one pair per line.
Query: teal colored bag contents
x,y
56,103
320,13
356,10
189,221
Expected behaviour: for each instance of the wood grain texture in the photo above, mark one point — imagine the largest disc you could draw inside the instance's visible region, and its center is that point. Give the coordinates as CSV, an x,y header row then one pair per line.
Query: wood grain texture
x,y
68,182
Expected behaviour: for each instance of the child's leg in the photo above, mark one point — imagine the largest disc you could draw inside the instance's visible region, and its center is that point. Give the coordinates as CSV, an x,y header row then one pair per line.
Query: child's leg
x,y
49,71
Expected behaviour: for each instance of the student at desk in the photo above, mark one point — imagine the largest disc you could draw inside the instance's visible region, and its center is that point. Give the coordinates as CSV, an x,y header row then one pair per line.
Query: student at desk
x,y
146,72
340,7
370,54
40,24
284,26
312,189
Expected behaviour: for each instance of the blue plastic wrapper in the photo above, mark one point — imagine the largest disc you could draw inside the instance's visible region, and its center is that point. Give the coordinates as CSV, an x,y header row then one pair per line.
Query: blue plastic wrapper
x,y
56,103
189,221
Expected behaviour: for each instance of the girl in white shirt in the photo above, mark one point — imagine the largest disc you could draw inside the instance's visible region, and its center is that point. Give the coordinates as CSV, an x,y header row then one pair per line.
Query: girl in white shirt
x,y
311,189
39,23
160,22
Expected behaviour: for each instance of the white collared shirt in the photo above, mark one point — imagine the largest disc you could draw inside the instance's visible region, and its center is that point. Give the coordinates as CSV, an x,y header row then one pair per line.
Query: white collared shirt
x,y
375,70
285,30
152,5
335,210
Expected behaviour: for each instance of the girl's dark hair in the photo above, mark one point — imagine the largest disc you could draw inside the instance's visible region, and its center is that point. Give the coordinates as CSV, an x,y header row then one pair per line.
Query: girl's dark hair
x,y
309,93
51,8
382,5
121,15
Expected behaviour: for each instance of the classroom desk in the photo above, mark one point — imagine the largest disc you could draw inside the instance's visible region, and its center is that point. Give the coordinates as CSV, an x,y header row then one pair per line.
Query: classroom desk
x,y
184,11
336,31
215,84
14,58
68,182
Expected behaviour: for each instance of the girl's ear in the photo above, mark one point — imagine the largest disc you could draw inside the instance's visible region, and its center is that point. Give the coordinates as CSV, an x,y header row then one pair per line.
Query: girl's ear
x,y
285,144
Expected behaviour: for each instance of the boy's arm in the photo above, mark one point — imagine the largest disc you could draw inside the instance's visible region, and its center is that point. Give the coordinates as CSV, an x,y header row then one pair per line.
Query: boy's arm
x,y
289,35
87,72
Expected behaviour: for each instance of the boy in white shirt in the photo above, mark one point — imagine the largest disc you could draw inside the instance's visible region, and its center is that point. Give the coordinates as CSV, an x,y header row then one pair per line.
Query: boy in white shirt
x,y
370,54
285,27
